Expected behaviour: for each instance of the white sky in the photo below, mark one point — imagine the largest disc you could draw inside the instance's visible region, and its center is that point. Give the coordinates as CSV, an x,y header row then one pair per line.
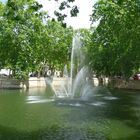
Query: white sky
x,y
81,21
83,18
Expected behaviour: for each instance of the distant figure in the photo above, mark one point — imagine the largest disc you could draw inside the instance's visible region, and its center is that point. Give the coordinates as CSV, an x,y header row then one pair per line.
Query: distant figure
x,y
136,77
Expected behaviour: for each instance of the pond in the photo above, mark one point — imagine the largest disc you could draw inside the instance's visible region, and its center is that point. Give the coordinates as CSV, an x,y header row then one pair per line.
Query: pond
x,y
37,115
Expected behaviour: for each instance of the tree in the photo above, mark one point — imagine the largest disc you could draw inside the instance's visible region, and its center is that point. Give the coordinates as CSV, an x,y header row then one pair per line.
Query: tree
x,y
28,40
21,28
115,49
65,5
55,50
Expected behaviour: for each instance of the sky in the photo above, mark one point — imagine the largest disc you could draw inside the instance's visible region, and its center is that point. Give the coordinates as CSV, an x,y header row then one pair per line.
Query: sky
x,y
2,0
83,18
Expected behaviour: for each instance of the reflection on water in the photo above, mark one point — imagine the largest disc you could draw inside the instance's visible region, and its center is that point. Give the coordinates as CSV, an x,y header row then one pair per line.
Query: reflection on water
x,y
97,103
36,115
110,98
70,104
37,99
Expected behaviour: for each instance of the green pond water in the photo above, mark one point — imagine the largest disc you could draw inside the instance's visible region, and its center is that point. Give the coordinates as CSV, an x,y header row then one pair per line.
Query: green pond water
x,y
37,115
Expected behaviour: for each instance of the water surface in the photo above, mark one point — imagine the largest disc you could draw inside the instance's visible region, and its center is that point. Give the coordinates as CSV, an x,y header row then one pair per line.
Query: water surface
x,y
37,115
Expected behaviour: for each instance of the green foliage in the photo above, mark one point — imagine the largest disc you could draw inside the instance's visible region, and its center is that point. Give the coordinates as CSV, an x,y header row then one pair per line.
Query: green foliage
x,y
55,50
115,42
28,40
66,4
19,26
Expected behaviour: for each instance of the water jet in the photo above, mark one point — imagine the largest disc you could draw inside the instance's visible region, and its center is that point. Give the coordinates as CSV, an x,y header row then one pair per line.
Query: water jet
x,y
76,83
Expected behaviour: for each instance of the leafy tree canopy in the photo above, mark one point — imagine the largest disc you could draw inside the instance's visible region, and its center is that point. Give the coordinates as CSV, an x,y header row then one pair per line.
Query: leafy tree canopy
x,y
115,42
29,40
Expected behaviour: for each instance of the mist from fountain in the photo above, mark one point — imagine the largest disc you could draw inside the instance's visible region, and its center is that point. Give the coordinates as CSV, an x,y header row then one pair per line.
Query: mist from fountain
x,y
75,84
